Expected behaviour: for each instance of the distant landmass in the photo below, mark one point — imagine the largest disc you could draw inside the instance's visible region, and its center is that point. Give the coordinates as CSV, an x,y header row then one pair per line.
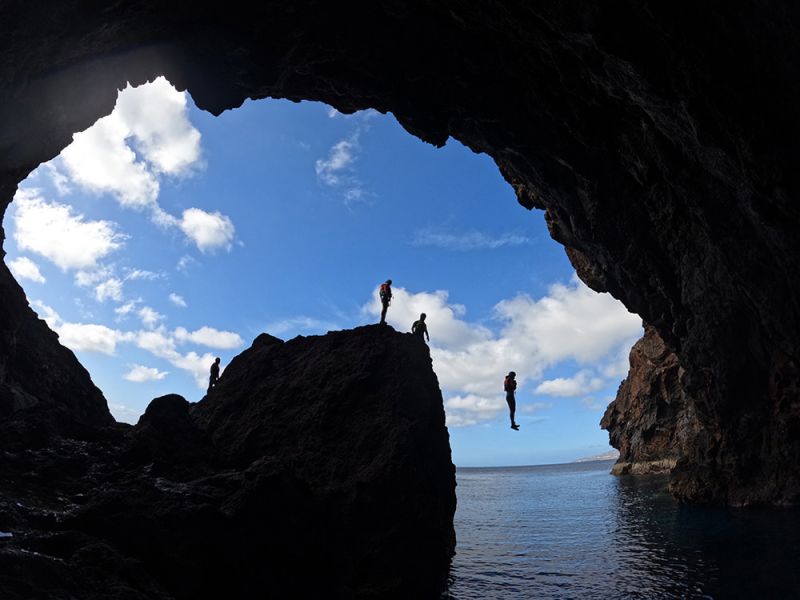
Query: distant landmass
x,y
610,455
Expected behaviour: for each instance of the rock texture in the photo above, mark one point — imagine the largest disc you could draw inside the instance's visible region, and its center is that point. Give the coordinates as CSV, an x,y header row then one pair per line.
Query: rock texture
x,y
319,467
650,421
660,138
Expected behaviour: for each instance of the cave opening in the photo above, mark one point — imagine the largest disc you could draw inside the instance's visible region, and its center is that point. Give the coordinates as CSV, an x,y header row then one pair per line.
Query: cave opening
x,y
163,236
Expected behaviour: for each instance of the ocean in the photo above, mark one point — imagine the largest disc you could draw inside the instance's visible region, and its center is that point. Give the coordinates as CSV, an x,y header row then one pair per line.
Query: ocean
x,y
575,531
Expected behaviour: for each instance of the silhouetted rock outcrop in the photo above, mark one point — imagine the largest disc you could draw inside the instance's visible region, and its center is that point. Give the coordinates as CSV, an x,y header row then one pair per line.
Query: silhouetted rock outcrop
x,y
650,422
44,390
319,467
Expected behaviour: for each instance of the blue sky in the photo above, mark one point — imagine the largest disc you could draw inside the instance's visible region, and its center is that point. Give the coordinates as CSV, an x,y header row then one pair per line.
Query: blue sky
x,y
163,236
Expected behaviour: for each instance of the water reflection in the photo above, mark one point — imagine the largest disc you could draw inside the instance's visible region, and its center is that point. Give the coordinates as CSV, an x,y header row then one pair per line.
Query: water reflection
x,y
573,531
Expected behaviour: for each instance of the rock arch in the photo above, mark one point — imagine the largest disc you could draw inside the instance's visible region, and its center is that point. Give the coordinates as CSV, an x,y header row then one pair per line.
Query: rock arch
x,y
660,139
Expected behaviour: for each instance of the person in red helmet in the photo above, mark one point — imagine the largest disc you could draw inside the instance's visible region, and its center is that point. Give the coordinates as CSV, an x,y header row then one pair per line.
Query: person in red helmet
x,y
385,294
510,387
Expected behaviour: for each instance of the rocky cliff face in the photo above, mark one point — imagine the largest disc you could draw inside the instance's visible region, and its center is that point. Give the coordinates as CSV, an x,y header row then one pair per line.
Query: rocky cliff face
x,y
319,467
651,422
661,139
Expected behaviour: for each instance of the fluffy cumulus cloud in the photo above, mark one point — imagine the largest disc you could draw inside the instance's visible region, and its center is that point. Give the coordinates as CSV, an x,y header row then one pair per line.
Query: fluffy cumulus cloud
x,y
149,317
147,134
163,345
141,374
471,409
110,289
25,268
582,383
90,337
571,323
208,230
53,231
209,337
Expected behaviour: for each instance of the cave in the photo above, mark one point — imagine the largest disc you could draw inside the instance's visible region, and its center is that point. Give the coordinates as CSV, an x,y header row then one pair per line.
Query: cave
x,y
660,140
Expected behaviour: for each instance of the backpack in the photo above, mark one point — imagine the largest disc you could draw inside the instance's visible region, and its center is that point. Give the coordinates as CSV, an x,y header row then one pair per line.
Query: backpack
x,y
508,384
386,291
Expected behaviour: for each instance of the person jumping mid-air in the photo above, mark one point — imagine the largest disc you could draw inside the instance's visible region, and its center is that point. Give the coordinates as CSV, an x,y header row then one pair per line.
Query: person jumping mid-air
x,y
386,298
214,376
510,386
420,329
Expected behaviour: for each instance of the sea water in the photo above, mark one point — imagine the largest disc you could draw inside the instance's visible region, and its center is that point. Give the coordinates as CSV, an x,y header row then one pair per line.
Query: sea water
x,y
575,531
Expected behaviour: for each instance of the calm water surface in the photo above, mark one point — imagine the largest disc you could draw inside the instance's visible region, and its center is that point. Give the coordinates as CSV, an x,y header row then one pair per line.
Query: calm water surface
x,y
574,531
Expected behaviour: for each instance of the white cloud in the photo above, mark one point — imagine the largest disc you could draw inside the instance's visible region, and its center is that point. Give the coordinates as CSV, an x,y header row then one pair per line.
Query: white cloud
x,y
60,181
90,337
157,341
197,365
470,240
184,262
140,374
340,157
468,410
336,171
127,308
580,384
52,230
571,323
110,289
208,230
90,277
157,116
25,268
149,317
451,330
209,337
146,135
177,300
141,274
160,344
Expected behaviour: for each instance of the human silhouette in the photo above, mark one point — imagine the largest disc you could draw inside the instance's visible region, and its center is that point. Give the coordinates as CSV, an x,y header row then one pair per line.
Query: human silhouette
x,y
419,328
386,298
510,386
214,377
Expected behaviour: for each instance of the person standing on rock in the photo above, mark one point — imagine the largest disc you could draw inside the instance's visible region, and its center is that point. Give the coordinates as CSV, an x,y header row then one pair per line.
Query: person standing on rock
x,y
510,386
420,329
214,376
385,294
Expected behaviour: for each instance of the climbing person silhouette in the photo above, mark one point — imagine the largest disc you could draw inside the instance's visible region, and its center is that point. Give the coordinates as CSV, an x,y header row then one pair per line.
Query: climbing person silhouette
x,y
510,386
214,376
419,328
386,298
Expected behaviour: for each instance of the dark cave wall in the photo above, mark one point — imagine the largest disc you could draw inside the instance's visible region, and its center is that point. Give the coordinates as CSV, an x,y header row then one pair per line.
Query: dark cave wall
x,y
660,139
